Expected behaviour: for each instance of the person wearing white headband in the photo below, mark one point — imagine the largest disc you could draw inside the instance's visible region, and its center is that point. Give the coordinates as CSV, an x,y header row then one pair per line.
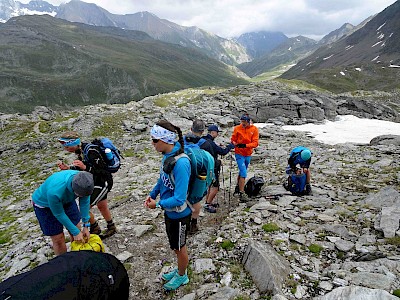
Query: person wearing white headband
x,y
167,139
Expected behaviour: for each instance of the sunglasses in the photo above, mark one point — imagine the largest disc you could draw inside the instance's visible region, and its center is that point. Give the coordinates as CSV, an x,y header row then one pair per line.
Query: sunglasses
x,y
155,141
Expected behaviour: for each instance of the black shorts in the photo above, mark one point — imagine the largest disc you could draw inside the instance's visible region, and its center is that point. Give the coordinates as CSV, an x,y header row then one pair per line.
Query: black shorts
x,y
177,231
100,192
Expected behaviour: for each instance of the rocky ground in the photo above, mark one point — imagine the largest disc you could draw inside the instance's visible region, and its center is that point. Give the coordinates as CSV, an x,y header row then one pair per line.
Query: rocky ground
x,y
341,241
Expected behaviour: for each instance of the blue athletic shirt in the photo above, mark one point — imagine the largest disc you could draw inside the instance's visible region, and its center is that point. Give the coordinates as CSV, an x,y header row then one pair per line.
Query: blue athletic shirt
x,y
55,192
295,157
171,196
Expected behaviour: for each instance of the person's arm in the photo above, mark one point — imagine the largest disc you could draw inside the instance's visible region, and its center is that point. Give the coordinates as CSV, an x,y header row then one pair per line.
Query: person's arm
x,y
181,173
234,137
254,139
84,207
223,151
57,209
156,189
292,161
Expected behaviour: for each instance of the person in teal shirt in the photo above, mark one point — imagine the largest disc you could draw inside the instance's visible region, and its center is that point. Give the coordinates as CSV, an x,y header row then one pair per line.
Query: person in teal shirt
x,y
55,206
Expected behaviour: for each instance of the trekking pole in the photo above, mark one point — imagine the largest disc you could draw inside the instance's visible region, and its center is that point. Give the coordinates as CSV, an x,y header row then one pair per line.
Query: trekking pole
x,y
230,184
223,179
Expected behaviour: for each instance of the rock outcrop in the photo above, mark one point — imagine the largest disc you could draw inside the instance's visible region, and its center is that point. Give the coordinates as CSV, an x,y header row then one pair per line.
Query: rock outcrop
x,y
341,241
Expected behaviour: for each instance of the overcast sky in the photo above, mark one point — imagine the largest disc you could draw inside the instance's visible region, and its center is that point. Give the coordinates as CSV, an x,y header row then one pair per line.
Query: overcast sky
x,y
230,18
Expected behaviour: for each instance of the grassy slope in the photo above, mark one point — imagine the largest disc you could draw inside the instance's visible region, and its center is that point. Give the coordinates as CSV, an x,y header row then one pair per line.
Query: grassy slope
x,y
48,61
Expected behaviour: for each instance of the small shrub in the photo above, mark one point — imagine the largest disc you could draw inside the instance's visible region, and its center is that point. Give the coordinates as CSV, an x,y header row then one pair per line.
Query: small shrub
x,y
270,227
394,241
396,293
227,245
316,249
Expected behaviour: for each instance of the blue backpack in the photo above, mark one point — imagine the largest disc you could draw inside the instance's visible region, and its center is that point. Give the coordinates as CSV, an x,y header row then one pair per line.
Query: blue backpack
x,y
113,159
202,170
297,184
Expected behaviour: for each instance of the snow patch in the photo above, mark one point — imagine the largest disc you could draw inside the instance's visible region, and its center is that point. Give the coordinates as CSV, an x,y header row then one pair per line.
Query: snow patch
x,y
342,73
376,44
379,28
348,129
325,58
26,11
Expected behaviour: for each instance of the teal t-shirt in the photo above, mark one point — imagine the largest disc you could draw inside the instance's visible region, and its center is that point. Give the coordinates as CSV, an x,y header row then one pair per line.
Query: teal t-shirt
x,y
55,192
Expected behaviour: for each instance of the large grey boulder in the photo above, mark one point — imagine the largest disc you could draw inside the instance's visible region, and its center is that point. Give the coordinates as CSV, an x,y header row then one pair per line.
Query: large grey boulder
x,y
356,293
268,269
388,139
386,197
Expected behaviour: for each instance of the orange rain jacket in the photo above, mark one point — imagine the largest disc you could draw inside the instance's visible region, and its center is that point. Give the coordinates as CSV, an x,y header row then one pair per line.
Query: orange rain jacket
x,y
248,136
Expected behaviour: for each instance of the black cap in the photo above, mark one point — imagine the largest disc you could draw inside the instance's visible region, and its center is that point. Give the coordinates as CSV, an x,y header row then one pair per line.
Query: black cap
x,y
214,128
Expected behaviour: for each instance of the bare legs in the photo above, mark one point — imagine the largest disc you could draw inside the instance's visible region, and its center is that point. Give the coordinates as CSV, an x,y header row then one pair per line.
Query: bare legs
x,y
211,194
59,245
241,183
104,210
183,260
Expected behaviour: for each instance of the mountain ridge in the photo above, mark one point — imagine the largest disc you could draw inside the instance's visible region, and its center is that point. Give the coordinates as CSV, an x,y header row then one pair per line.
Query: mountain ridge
x,y
53,62
361,60
225,50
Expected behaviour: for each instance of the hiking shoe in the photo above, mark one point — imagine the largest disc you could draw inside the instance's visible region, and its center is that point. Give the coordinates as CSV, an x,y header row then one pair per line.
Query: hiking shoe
x,y
176,282
308,190
111,230
168,276
285,186
236,192
210,208
243,197
193,228
214,204
95,228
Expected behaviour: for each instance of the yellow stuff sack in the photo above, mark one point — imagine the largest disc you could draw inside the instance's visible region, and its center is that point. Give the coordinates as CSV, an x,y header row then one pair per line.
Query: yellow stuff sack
x,y
94,244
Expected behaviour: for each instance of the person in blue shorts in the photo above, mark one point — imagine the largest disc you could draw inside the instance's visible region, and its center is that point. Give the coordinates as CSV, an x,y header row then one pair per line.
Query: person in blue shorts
x,y
55,206
168,140
245,138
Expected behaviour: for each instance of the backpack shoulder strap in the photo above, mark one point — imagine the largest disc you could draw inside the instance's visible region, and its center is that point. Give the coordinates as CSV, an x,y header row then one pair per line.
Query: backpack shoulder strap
x,y
87,147
201,141
169,165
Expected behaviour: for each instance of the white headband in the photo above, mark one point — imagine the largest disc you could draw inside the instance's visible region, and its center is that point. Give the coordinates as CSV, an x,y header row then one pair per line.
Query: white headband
x,y
163,134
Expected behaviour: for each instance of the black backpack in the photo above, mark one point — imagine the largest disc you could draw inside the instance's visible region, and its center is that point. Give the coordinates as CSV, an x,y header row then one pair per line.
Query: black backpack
x,y
254,186
101,144
74,275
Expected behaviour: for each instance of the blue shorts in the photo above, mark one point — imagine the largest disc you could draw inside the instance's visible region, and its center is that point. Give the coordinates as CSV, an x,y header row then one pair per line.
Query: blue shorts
x,y
243,163
48,222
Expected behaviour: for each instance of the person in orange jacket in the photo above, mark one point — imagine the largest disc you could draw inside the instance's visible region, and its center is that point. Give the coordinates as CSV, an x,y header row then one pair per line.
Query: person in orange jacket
x,y
245,139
